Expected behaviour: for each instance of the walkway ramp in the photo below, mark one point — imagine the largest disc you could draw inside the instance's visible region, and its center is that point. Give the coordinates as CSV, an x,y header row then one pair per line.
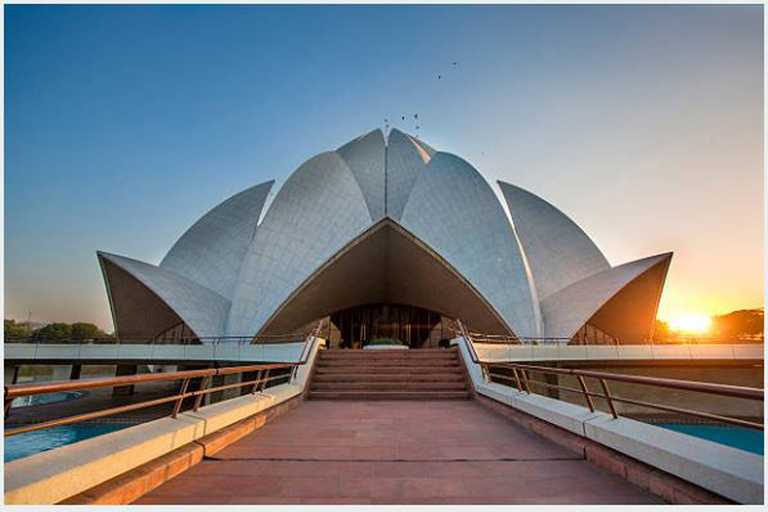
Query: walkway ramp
x,y
425,374
395,452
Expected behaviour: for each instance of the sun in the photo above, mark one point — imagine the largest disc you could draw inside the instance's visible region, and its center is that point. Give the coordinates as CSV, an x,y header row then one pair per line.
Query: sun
x,y
693,324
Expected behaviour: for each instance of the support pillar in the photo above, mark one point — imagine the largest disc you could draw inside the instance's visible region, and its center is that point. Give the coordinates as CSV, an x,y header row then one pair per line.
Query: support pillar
x,y
124,370
163,368
77,370
11,374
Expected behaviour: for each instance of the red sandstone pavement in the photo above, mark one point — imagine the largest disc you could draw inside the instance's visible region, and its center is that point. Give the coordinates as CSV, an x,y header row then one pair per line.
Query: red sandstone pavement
x,y
395,452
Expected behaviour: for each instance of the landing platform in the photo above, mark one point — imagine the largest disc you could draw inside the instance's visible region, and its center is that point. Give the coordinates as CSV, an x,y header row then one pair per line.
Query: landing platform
x,y
400,452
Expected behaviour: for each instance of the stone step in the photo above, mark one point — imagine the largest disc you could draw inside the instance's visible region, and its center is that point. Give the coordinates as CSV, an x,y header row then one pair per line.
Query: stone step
x,y
431,374
389,395
365,363
385,377
387,357
352,354
425,351
396,370
388,386
414,354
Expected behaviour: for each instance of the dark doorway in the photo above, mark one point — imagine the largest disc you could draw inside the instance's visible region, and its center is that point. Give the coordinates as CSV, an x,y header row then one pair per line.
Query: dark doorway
x,y
412,326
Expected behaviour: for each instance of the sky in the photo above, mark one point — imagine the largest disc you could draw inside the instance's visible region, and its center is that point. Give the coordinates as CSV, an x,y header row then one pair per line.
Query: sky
x,y
124,124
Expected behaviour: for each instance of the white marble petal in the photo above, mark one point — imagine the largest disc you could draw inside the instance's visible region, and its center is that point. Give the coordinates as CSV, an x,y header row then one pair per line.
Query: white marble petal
x,y
559,252
201,308
365,158
212,250
566,311
454,210
406,160
317,212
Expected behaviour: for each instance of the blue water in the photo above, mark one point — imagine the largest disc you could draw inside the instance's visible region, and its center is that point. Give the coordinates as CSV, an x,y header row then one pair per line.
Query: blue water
x,y
738,437
29,443
51,398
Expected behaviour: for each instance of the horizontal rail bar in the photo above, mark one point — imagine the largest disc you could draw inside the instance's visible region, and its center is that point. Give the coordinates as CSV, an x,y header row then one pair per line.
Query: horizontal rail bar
x,y
603,377
667,408
19,390
700,414
90,415
133,407
703,387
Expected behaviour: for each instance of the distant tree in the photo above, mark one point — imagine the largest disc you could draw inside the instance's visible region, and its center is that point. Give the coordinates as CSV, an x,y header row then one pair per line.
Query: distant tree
x,y
739,323
661,330
13,329
54,331
86,331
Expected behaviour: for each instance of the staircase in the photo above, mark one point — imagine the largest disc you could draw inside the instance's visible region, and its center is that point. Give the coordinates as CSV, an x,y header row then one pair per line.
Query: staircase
x,y
420,374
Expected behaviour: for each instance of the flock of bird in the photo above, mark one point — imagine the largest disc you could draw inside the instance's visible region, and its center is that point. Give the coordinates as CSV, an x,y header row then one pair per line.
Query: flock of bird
x,y
415,117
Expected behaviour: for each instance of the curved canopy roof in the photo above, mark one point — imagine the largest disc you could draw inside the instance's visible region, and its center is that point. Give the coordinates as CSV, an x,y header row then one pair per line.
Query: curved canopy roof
x,y
384,219
146,299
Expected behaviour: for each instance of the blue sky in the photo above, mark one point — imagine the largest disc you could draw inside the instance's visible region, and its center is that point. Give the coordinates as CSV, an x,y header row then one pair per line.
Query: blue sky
x,y
124,124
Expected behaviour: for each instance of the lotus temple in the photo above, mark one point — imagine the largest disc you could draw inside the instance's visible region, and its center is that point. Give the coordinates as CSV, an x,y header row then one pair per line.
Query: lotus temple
x,y
385,237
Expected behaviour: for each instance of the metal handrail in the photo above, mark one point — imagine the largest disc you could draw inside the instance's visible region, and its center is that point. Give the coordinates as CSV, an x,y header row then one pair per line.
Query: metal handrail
x,y
508,339
135,340
262,370
523,384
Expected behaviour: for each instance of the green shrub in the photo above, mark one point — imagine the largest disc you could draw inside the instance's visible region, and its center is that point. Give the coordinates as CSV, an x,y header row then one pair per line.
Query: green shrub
x,y
386,341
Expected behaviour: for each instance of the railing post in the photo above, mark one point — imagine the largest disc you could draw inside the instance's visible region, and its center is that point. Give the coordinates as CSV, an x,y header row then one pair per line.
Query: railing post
x,y
586,393
183,391
263,382
471,349
517,379
199,398
525,381
258,381
608,398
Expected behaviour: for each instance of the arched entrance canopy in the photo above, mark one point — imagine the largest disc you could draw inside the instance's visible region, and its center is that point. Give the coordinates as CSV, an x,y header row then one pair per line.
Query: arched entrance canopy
x,y
386,264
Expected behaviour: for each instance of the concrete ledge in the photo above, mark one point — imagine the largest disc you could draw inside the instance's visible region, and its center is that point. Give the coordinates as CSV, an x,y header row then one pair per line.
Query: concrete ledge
x,y
130,486
734,474
565,415
52,476
55,475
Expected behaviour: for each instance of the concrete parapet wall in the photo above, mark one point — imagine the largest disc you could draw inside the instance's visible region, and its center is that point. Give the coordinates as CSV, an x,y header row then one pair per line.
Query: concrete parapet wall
x,y
55,475
681,352
131,485
29,353
725,471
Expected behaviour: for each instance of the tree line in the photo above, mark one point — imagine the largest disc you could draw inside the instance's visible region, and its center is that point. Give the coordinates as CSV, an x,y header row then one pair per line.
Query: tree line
x,y
58,331
744,322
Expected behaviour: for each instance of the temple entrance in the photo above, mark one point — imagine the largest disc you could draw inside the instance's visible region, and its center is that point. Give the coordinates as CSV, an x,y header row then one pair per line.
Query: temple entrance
x,y
390,324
